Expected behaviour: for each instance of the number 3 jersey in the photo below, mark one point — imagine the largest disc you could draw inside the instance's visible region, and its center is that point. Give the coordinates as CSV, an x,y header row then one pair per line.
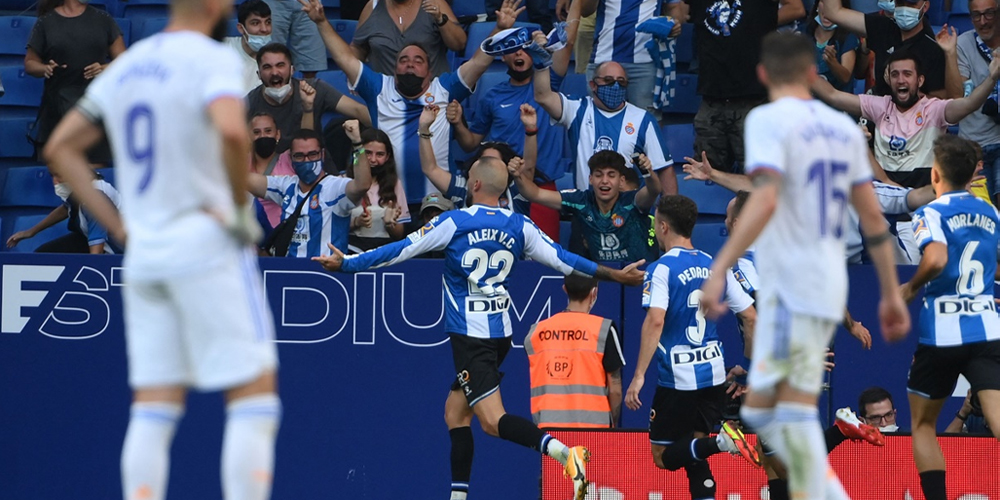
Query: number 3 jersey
x,y
958,304
819,154
481,245
689,354
153,102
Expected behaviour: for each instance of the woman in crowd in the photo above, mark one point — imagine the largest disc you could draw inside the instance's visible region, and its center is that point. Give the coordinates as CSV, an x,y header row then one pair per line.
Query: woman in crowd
x,y
382,214
835,54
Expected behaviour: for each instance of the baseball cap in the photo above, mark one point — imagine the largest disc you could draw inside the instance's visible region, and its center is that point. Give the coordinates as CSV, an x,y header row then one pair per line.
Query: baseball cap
x,y
436,200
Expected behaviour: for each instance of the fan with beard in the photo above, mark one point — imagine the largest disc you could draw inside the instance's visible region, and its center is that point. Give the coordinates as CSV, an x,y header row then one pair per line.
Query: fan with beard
x,y
911,99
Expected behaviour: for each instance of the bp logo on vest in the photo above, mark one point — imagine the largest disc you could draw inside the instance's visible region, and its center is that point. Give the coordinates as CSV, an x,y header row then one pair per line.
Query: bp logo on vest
x,y
559,367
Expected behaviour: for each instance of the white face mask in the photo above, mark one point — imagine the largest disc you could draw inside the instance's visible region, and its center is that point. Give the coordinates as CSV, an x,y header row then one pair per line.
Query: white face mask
x,y
280,94
257,41
63,191
889,428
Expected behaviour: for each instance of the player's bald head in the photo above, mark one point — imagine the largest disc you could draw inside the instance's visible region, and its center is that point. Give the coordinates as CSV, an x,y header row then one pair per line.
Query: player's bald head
x,y
491,173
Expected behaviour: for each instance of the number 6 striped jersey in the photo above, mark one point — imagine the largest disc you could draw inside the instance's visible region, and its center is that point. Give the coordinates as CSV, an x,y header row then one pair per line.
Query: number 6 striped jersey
x,y
958,304
481,245
153,102
689,354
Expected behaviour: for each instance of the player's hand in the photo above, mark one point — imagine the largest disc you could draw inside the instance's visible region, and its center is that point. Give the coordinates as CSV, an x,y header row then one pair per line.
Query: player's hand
x,y
507,15
241,223
427,117
562,9
711,296
947,38
907,292
453,113
314,9
308,95
332,262
631,275
858,331
736,389
894,318
529,117
828,363
698,170
632,394
17,237
352,128
392,212
92,70
431,7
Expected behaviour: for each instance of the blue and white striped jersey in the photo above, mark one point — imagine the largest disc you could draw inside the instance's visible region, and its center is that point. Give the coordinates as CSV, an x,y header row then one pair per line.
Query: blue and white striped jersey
x,y
958,304
628,130
399,118
325,218
615,38
689,354
82,222
481,244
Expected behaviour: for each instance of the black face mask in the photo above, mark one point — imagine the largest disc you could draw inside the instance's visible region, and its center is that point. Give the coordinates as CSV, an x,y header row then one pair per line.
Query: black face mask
x,y
220,30
409,85
264,146
520,76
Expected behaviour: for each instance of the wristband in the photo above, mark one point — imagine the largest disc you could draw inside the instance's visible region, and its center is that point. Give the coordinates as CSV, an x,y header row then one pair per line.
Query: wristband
x,y
878,239
959,416
531,132
357,144
428,135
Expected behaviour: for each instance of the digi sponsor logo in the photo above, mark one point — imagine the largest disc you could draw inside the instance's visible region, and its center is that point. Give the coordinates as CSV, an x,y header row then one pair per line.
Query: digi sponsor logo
x,y
54,302
463,381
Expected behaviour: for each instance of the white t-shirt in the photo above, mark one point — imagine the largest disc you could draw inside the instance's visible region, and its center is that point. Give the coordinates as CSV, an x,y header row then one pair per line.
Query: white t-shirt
x,y
168,156
251,79
820,155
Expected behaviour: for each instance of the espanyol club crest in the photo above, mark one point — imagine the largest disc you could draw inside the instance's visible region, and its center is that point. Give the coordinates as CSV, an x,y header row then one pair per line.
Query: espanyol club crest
x,y
429,98
920,119
617,220
629,129
314,202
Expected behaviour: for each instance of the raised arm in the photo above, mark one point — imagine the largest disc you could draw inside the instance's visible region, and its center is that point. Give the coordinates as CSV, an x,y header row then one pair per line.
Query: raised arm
x,y
336,46
549,100
647,194
954,83
843,101
438,176
957,109
452,34
524,171
789,11
257,184
466,138
851,20
362,180
703,171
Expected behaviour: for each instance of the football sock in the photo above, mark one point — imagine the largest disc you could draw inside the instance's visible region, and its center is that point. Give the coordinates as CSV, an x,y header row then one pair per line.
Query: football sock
x,y
933,484
804,452
248,447
146,451
687,451
777,489
462,447
521,431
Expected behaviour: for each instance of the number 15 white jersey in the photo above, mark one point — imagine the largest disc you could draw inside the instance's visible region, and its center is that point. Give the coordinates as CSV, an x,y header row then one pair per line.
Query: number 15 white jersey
x,y
820,155
153,102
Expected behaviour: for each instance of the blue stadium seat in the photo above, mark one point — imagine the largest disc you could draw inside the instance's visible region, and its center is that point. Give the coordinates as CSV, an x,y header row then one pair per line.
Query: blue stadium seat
x,y
112,7
134,9
866,6
126,26
685,44
143,27
27,221
345,28
14,33
959,7
338,80
19,6
469,8
575,85
332,10
709,235
28,187
680,141
961,22
23,92
13,137
686,99
711,198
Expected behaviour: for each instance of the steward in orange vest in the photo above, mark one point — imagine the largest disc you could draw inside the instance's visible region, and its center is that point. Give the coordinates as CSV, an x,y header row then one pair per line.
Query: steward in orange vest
x,y
575,363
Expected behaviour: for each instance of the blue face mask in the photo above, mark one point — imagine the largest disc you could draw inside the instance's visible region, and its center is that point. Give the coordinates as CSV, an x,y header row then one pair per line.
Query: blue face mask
x,y
308,171
887,5
613,96
907,18
819,21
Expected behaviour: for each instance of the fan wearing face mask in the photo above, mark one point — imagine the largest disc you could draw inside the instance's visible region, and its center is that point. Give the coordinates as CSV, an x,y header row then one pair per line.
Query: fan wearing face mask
x,y
835,55
254,18
295,103
265,159
907,29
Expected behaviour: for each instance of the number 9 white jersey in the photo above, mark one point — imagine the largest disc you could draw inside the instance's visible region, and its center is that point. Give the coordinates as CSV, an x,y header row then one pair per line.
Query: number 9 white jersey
x,y
153,103
820,155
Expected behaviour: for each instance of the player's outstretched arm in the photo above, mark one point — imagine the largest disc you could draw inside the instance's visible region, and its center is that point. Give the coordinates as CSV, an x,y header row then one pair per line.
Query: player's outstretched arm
x,y
438,176
919,197
257,184
434,236
756,213
338,48
66,154
629,275
893,315
857,330
652,328
957,109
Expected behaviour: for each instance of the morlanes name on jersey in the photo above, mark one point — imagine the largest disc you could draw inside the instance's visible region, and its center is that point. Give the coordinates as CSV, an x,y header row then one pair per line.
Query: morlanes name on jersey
x,y
982,221
492,235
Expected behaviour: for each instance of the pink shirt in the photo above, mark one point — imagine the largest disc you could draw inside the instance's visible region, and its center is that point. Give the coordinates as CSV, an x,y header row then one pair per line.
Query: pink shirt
x,y
282,167
904,141
378,229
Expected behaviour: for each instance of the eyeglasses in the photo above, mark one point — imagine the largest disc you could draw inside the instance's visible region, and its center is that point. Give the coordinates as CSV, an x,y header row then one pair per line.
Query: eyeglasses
x,y
987,15
608,80
311,155
878,419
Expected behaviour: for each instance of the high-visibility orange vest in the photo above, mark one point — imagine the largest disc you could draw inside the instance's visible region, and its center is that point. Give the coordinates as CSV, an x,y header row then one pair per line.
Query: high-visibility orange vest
x,y
568,383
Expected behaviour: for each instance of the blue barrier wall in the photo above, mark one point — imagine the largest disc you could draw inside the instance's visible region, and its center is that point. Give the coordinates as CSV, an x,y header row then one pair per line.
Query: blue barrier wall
x,y
365,368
